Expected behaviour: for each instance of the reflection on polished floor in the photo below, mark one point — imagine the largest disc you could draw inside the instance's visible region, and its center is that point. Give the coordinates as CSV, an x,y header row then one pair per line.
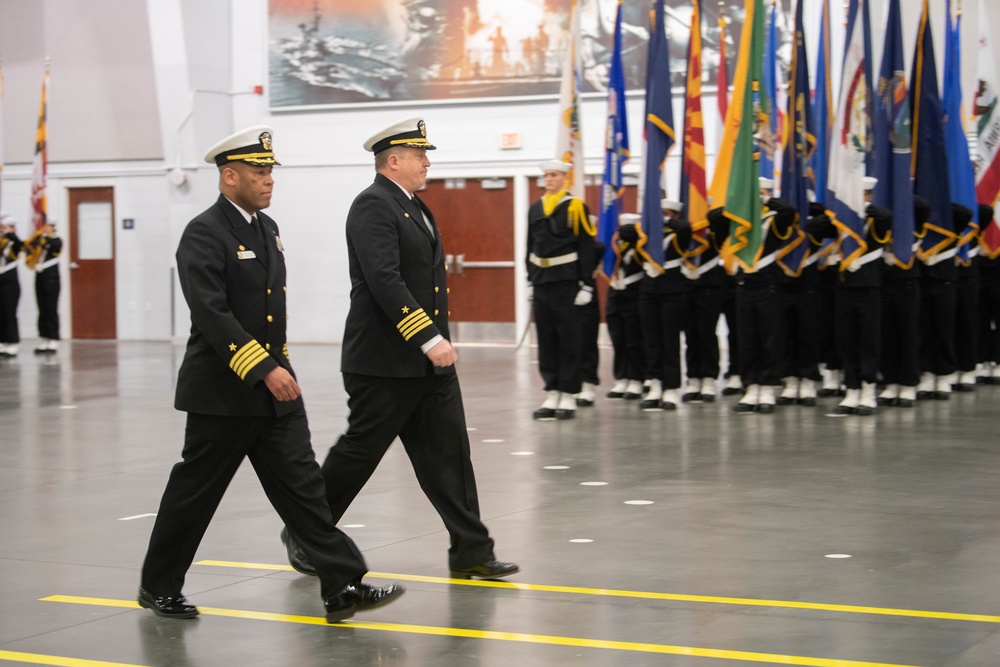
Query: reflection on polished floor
x,y
689,538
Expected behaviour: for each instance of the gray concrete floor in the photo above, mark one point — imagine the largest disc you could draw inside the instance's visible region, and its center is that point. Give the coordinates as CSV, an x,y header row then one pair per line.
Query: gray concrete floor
x,y
724,562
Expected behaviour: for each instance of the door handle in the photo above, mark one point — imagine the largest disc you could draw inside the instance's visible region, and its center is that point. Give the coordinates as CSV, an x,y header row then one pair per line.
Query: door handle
x,y
449,263
459,264
74,265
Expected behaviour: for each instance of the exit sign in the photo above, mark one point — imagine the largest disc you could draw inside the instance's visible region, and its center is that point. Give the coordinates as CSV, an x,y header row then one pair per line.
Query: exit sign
x,y
509,140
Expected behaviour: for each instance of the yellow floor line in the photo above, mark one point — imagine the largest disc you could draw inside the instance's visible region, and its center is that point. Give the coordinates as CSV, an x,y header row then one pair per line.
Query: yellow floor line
x,y
646,595
61,661
552,640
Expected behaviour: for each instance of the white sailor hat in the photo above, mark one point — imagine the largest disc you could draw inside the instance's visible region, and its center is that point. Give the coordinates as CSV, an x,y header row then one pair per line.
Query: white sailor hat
x,y
629,218
410,132
671,205
555,165
869,183
252,146
7,219
765,183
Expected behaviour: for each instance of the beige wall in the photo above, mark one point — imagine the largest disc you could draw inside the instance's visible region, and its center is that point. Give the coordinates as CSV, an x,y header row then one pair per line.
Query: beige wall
x,y
102,103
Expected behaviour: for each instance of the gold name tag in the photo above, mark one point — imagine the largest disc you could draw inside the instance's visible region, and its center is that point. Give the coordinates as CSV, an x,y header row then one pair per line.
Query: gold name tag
x,y
246,254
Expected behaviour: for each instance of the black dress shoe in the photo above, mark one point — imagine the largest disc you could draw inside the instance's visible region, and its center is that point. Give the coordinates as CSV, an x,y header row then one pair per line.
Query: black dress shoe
x,y
584,403
744,408
785,400
765,408
691,397
963,387
942,395
886,402
925,395
844,410
650,405
616,394
808,401
491,569
904,403
731,391
544,413
171,606
296,556
562,413
356,597
864,410
667,405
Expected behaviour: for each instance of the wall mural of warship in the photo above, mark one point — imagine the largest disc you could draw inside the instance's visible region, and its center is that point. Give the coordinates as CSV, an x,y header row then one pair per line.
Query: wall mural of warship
x,y
336,52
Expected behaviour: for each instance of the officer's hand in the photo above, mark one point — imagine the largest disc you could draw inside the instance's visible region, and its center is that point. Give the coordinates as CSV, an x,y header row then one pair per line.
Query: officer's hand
x,y
443,354
281,383
584,296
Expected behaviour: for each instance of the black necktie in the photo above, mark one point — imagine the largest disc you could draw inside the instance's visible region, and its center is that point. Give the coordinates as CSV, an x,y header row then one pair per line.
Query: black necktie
x,y
257,227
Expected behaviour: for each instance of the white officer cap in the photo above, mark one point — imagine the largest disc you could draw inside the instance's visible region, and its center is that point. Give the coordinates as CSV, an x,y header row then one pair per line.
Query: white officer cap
x,y
671,205
629,219
765,183
410,132
251,146
555,165
869,183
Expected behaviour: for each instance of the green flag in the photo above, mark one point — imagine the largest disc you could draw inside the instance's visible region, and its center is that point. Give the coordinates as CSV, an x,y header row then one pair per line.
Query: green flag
x,y
743,206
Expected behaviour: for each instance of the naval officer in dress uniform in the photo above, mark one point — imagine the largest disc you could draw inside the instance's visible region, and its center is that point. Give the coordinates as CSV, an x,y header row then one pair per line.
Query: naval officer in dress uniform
x,y
241,396
398,362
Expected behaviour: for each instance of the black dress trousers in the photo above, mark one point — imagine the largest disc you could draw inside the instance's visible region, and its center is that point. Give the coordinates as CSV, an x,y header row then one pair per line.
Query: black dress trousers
x,y
427,415
560,336
281,454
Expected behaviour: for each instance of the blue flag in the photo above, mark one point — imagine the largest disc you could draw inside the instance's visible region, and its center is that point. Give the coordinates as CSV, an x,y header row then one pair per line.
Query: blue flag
x,y
851,146
616,151
659,131
961,176
822,107
930,157
891,143
769,142
798,143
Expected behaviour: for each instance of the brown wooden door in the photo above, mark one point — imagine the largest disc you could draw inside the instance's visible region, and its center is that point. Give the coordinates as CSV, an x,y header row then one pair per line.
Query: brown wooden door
x,y
476,220
92,262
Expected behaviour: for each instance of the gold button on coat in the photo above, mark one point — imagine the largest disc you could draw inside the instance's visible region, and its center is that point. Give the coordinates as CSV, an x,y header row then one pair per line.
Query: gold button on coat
x,y
270,319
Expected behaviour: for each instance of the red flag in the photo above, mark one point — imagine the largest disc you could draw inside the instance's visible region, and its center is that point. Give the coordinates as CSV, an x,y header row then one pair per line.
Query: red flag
x,y
39,204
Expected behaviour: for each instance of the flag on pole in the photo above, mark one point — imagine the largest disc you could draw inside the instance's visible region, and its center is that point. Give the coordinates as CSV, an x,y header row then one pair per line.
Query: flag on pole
x,y
985,107
39,204
822,107
722,74
732,126
659,133
891,151
961,176
930,159
738,166
769,137
798,144
616,152
851,141
569,145
694,193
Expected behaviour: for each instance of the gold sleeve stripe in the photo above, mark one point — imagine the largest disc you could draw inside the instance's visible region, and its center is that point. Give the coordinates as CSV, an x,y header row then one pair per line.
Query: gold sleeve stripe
x,y
419,325
406,321
422,324
246,358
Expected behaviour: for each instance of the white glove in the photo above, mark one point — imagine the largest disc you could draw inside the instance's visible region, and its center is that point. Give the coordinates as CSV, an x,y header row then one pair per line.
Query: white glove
x,y
617,284
583,297
651,270
531,293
